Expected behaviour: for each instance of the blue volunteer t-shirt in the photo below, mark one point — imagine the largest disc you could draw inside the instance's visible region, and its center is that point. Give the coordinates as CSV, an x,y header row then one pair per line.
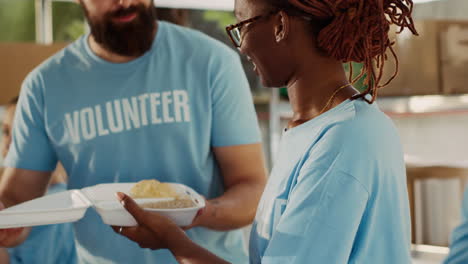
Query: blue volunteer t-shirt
x,y
459,241
158,116
50,244
337,193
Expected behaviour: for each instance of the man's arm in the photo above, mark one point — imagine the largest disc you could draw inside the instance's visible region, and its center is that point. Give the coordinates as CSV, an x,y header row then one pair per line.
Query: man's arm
x,y
17,186
4,256
235,138
244,175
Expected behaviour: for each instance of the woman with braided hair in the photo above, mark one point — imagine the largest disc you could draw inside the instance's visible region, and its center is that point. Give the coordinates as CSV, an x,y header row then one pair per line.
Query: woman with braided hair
x,y
337,193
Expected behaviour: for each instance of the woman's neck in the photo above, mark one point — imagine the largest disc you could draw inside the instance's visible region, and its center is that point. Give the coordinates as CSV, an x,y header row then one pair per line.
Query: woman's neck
x,y
313,86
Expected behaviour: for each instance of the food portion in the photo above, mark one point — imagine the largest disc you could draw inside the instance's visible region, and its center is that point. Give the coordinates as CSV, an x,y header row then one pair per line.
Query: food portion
x,y
156,189
153,189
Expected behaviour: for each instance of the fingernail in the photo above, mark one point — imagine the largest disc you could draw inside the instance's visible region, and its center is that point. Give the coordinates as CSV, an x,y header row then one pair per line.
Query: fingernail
x,y
199,212
120,196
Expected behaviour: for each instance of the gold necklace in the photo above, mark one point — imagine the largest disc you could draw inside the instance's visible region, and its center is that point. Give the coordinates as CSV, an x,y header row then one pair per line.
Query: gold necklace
x,y
333,97
328,103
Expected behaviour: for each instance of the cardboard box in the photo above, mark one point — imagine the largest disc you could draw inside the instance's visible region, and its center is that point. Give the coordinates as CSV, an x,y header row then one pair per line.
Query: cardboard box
x,y
454,56
419,62
17,60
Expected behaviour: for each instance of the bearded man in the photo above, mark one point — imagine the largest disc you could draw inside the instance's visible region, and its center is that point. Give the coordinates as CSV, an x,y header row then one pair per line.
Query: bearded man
x,y
139,99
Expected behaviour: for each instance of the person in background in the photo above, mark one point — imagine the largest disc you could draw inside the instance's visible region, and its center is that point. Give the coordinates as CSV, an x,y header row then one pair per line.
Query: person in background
x,y
173,15
337,192
52,244
139,99
459,240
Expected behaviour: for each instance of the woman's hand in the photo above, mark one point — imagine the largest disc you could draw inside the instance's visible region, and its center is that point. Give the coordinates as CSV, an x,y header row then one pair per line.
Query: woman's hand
x,y
154,231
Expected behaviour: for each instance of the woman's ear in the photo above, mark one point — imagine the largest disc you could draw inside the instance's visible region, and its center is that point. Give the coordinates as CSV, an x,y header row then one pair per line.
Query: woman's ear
x,y
282,26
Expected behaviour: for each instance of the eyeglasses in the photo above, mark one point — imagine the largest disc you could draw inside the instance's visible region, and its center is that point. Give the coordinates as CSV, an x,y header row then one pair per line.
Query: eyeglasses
x,y
235,31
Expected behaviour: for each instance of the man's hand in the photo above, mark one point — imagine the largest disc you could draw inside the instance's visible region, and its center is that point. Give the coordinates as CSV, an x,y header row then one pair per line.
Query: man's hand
x,y
10,237
17,186
202,216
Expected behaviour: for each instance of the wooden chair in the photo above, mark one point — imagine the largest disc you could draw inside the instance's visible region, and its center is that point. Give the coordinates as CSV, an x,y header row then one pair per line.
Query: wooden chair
x,y
416,173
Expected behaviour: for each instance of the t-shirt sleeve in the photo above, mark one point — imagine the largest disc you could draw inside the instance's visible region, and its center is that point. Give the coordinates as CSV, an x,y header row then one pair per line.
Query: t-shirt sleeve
x,y
234,118
320,221
31,148
459,240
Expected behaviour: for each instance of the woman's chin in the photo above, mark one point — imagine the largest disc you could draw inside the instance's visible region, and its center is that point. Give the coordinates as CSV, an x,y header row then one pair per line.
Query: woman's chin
x,y
265,83
266,80
268,83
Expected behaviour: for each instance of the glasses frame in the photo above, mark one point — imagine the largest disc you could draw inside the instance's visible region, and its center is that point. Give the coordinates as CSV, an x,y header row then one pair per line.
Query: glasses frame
x,y
239,25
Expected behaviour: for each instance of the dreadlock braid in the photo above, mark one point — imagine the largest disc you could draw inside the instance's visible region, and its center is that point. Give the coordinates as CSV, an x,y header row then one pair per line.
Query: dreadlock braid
x,y
357,31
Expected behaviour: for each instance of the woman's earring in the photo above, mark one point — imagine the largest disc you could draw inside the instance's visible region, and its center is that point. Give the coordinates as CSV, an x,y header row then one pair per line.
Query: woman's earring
x,y
279,38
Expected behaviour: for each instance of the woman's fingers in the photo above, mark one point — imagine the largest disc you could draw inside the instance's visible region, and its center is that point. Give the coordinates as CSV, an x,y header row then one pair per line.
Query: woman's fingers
x,y
129,232
132,207
143,236
144,218
153,230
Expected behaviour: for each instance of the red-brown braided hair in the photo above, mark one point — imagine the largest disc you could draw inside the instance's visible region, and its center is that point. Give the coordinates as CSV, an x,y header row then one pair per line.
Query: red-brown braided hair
x,y
357,31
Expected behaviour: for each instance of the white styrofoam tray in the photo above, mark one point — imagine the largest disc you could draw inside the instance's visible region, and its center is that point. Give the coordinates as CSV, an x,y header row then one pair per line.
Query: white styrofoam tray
x,y
103,198
63,207
70,206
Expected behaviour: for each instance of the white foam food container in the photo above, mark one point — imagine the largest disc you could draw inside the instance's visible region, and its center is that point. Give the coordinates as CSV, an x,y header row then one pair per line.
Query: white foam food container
x,y
70,206
56,208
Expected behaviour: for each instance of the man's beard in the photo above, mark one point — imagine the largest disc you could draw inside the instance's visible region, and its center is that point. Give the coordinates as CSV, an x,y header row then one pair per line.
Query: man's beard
x,y
133,38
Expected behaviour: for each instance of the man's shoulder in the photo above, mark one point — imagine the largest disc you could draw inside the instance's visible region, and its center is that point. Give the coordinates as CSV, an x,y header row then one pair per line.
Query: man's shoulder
x,y
57,61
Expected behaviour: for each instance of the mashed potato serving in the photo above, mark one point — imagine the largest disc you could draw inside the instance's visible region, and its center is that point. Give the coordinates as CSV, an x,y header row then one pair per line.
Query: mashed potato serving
x,y
156,189
153,189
